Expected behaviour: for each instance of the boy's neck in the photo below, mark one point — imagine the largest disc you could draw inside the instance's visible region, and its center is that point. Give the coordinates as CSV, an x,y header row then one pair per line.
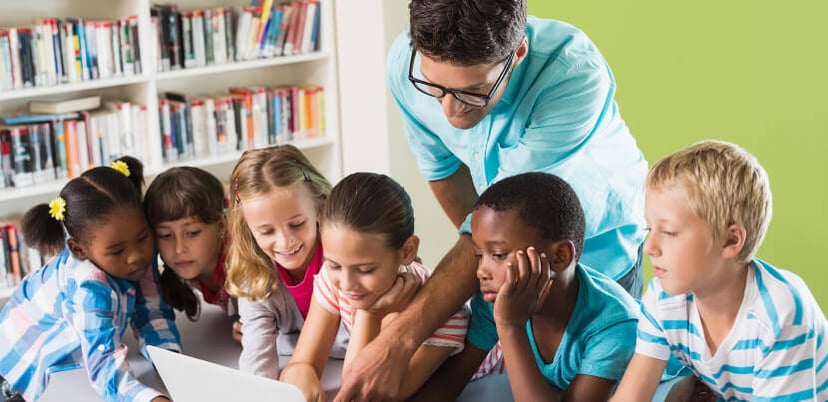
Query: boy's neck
x,y
719,303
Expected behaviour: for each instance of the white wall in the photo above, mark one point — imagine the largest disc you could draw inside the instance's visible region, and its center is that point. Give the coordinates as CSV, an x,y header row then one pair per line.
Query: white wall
x,y
372,131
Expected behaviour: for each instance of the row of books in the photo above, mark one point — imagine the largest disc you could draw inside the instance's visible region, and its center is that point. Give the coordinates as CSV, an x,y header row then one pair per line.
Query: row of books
x,y
248,117
16,258
54,51
42,148
195,38
38,149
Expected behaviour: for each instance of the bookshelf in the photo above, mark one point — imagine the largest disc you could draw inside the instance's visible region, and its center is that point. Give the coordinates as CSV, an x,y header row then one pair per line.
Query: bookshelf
x,y
318,67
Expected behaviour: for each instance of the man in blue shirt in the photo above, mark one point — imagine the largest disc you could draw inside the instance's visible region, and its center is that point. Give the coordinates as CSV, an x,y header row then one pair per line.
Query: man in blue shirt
x,y
486,93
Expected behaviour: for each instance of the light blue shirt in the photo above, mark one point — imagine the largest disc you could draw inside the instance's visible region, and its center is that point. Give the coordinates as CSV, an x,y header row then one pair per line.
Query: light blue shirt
x,y
599,339
557,115
70,314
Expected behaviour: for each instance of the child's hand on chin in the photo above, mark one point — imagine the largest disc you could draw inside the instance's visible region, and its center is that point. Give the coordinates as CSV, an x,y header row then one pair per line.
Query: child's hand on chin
x,y
397,298
525,285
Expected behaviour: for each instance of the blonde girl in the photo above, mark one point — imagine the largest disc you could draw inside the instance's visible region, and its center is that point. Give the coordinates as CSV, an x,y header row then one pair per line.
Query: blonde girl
x,y
276,197
370,254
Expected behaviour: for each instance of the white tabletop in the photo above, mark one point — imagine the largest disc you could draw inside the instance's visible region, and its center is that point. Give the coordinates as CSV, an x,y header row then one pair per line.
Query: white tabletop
x,y
209,339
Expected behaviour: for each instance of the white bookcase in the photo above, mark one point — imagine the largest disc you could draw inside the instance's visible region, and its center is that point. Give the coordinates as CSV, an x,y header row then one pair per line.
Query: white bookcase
x,y
318,68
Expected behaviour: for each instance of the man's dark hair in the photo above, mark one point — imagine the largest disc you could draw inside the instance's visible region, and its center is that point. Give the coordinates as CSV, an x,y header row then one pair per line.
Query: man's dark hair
x,y
542,201
467,32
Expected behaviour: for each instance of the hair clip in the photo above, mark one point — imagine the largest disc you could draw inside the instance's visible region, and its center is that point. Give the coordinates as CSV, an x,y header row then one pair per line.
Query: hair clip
x,y
120,166
57,209
236,191
302,168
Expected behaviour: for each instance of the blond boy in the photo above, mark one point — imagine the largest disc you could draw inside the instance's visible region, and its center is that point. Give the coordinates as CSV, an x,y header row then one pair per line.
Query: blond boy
x,y
748,330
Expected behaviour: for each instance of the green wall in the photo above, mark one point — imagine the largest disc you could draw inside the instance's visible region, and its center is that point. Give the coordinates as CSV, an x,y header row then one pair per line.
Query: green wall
x,y
750,72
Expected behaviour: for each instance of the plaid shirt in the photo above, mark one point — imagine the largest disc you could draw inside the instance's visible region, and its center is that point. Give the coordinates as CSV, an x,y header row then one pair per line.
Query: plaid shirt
x,y
70,314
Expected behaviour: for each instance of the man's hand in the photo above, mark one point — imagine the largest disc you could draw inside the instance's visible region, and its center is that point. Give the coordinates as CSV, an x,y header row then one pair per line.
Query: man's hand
x,y
397,298
525,285
379,382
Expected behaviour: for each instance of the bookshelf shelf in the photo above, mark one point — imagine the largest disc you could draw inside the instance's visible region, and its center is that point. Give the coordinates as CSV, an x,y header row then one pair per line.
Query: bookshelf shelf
x,y
71,88
315,69
303,144
241,65
48,190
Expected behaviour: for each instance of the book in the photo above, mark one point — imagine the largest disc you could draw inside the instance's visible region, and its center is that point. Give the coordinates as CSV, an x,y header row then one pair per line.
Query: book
x,y
65,106
25,118
14,253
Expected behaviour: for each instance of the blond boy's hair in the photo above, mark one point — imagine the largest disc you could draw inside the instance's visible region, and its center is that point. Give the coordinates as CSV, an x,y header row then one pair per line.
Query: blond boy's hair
x,y
725,185
250,271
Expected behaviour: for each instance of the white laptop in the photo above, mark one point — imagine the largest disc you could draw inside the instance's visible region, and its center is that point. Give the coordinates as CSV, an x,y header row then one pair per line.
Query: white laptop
x,y
189,379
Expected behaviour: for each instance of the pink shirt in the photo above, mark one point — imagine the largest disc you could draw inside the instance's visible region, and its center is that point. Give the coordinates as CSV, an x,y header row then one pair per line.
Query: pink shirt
x,y
303,291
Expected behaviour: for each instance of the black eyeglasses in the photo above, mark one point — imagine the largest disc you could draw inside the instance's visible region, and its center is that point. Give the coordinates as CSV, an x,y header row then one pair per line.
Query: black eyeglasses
x,y
469,98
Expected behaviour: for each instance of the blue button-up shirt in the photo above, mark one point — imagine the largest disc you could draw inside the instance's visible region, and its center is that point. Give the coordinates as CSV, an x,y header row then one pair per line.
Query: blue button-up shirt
x,y
557,115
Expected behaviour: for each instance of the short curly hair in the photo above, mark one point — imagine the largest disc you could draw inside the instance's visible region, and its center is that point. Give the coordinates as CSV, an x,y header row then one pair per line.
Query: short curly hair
x,y
542,201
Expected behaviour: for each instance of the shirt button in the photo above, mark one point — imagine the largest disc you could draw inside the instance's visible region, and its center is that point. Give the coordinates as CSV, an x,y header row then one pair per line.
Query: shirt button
x,y
480,188
477,156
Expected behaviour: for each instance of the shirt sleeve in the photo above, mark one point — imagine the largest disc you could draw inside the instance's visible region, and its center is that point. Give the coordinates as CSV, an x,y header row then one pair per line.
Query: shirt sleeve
x,y
324,292
482,331
259,353
651,340
153,320
565,116
92,314
435,160
609,352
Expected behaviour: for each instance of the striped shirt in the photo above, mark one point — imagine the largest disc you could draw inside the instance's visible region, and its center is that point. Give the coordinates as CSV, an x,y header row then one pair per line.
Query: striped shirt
x,y
452,334
776,350
71,314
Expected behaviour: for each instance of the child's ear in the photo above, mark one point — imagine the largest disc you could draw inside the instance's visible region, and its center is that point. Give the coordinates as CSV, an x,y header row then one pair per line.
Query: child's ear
x,y
77,249
734,241
562,256
408,252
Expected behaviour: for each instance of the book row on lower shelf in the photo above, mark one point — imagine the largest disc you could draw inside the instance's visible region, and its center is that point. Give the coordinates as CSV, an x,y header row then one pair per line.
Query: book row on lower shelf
x,y
42,148
16,258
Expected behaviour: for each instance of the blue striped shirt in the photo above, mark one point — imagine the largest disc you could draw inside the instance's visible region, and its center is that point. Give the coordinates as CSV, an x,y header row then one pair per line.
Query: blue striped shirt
x,y
776,350
71,314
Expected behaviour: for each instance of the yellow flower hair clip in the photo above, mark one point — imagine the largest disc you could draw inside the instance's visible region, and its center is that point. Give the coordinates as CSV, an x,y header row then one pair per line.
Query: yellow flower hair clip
x,y
57,208
120,166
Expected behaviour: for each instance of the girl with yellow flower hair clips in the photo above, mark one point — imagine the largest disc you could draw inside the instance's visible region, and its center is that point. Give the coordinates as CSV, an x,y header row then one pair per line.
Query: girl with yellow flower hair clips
x,y
74,311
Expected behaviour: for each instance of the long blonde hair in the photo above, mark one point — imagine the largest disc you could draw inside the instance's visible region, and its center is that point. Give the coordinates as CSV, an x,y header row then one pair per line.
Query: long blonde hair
x,y
250,271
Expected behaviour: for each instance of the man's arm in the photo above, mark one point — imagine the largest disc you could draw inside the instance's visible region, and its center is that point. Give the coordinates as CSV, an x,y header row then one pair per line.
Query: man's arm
x,y
456,195
377,372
